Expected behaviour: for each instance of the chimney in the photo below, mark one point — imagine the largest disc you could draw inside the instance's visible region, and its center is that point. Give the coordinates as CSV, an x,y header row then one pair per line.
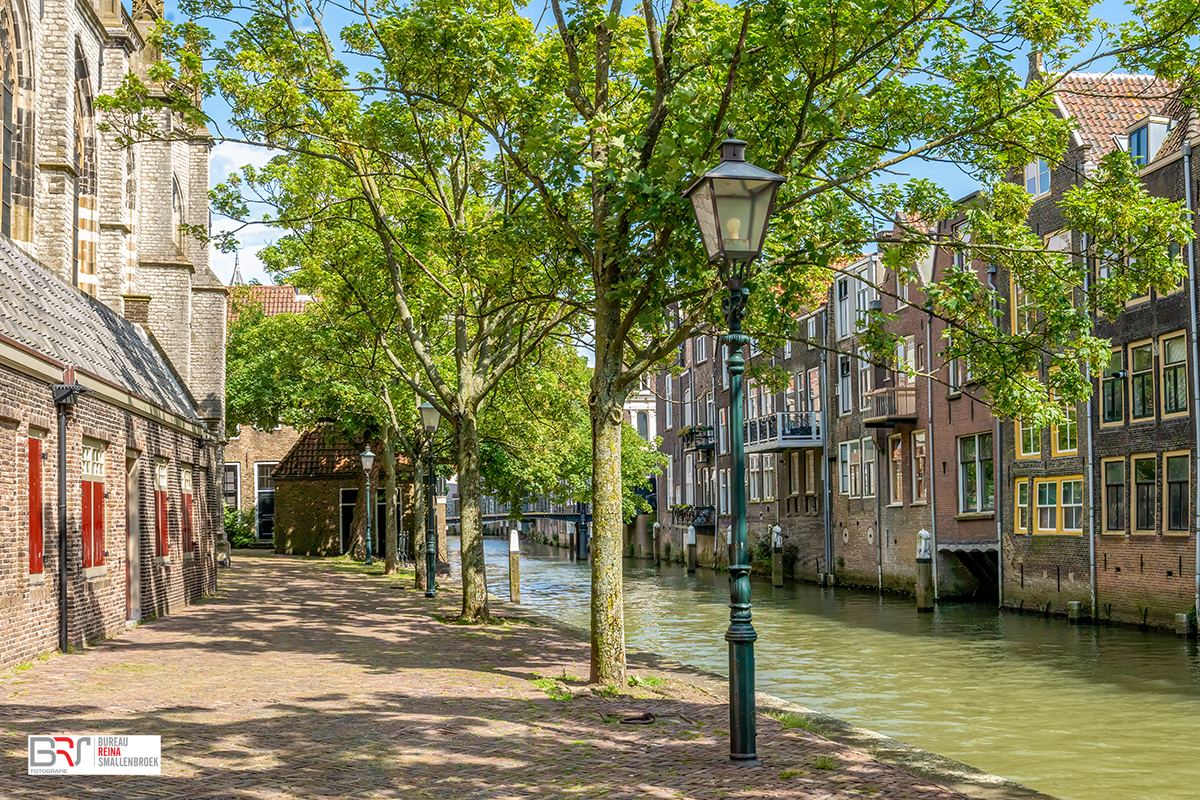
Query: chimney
x,y
1036,68
137,308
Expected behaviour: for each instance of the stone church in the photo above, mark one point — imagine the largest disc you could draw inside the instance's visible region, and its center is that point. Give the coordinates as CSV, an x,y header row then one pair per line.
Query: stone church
x,y
112,328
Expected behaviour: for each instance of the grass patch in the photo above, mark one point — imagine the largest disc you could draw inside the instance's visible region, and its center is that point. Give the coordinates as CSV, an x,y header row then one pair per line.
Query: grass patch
x,y
825,762
646,680
553,688
791,721
790,773
611,690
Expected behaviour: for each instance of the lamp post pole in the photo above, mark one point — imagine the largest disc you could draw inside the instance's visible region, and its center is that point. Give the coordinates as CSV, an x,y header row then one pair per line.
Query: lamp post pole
x,y
430,526
733,204
368,458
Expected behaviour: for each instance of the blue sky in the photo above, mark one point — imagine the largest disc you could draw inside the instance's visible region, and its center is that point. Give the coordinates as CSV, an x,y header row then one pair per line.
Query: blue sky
x,y
228,157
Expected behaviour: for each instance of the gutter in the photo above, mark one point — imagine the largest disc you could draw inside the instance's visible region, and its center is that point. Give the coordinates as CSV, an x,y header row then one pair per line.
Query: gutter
x,y
1187,192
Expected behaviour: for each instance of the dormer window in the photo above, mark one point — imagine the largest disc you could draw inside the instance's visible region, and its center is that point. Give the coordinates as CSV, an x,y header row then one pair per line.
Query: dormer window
x,y
1037,177
1139,141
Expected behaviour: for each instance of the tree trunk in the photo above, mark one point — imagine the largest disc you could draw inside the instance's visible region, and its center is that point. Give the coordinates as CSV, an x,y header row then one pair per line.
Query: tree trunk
x,y
390,536
419,516
608,619
474,579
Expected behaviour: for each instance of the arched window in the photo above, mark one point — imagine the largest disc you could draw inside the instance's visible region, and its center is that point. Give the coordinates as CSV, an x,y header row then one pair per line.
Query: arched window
x,y
86,228
16,126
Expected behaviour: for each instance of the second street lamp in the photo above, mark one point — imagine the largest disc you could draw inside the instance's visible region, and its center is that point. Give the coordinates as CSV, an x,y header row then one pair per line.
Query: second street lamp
x,y
368,458
429,421
733,204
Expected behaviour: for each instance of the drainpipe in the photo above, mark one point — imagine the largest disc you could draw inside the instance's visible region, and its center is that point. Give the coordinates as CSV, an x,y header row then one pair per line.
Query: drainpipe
x,y
1091,477
64,395
825,450
997,481
929,481
1187,192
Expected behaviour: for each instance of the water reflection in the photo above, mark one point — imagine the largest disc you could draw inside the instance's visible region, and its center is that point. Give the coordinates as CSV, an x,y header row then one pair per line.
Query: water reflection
x,y
1082,713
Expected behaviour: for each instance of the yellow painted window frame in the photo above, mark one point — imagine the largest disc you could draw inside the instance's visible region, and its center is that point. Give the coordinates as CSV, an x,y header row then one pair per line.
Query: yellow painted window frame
x,y
1020,508
1133,520
1130,375
1124,383
1058,482
1188,493
1104,496
1055,451
1162,374
1013,286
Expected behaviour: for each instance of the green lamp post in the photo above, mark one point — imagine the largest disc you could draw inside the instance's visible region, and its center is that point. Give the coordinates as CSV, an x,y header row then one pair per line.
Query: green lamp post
x,y
368,458
733,204
429,421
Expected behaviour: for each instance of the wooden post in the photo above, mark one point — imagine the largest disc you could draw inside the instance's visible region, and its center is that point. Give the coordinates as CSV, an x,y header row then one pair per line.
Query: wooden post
x,y
514,567
924,571
776,557
691,549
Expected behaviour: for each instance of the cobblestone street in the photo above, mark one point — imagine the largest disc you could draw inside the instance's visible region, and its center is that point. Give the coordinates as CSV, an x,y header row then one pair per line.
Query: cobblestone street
x,y
308,678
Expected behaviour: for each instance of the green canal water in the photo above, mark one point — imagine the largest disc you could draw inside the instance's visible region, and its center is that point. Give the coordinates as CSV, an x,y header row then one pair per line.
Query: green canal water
x,y
1079,712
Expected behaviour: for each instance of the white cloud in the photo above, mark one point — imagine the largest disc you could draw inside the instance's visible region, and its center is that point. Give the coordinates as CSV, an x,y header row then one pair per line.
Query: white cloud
x,y
227,158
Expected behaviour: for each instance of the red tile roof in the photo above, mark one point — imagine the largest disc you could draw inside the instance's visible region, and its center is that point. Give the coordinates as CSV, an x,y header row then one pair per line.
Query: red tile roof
x,y
273,300
321,453
1104,105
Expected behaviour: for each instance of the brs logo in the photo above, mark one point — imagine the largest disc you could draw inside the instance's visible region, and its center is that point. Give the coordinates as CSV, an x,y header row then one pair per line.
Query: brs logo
x,y
44,751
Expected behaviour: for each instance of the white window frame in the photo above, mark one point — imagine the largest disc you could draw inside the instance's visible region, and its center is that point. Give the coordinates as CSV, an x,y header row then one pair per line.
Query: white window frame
x,y
237,482
865,376
810,472
1037,177
869,458
844,468
753,475
918,495
670,421
845,392
794,473
769,486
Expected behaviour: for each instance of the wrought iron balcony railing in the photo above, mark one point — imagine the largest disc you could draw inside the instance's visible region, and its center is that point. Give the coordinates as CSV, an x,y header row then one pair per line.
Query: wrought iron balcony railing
x,y
784,429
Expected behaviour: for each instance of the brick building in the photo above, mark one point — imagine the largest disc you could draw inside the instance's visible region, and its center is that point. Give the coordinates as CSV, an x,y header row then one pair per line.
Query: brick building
x,y
251,455
111,330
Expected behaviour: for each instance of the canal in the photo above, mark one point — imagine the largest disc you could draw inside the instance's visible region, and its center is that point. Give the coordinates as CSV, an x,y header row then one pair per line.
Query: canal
x,y
1079,712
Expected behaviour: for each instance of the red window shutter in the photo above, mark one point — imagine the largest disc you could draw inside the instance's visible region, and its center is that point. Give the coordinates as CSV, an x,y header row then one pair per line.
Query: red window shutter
x,y
189,544
160,500
98,539
35,507
87,524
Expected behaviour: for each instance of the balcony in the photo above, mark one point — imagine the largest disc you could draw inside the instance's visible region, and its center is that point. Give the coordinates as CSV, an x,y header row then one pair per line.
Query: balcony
x,y
700,516
697,437
895,405
783,430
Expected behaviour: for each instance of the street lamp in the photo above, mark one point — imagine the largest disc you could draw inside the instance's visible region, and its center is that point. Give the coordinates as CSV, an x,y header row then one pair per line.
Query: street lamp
x,y
733,204
429,421
368,458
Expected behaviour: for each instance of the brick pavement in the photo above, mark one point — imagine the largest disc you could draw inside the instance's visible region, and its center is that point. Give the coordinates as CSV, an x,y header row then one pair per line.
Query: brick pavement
x,y
309,678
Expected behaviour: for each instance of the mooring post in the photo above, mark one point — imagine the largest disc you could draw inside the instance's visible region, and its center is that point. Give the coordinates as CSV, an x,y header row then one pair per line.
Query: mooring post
x,y
1073,611
777,556
514,566
657,552
691,549
924,571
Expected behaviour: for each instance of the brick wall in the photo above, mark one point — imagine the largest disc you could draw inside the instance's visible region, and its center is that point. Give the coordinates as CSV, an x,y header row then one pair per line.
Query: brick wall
x,y
253,446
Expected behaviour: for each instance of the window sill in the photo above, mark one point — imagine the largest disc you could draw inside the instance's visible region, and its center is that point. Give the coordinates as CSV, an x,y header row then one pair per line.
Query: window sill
x,y
1144,533
162,561
1059,533
967,516
1177,534
95,572
919,503
954,394
894,505
1140,420
37,578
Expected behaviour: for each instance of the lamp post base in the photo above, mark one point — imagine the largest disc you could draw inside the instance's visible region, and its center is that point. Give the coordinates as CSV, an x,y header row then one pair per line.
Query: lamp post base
x,y
745,761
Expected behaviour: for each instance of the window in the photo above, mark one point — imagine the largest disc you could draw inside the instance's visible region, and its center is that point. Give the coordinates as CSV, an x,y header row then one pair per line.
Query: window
x,y
1174,375
955,379
1024,312
1141,359
1064,437
920,460
1112,391
787,348
895,456
1072,505
856,469
794,473
814,389
1021,497
752,401
643,425
863,295
92,527
864,382
904,360
1145,478
920,359
868,448
844,467
670,481
710,409
1114,496
161,530
844,396
185,511
689,479
768,476
810,472
36,538
843,308
755,476
265,491
1138,146
792,398
1029,441
723,430
1178,470
688,416
1037,177
962,256
724,498
1047,506
669,395
724,367
976,480
231,486
812,331
700,345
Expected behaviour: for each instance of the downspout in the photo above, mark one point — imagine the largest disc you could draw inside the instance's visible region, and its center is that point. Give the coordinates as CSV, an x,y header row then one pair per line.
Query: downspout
x,y
1091,477
64,395
825,451
997,480
1187,192
929,450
